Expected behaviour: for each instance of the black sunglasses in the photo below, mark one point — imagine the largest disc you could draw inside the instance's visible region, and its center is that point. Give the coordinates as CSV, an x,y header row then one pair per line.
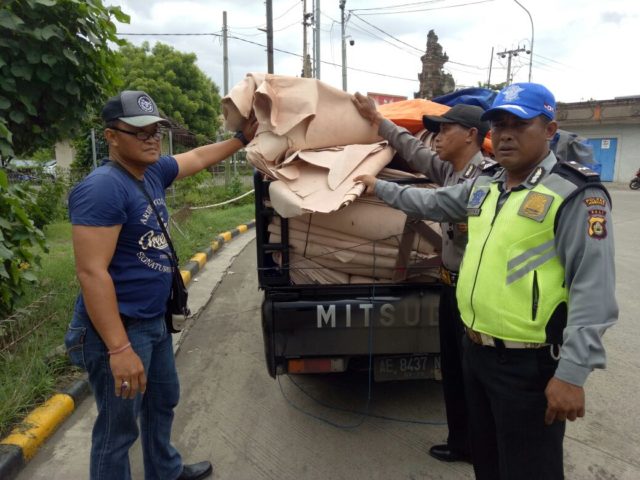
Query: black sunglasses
x,y
141,134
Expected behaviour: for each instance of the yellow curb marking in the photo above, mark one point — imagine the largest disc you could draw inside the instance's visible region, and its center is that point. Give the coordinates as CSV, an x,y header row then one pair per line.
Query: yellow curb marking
x,y
215,245
242,228
186,276
227,236
40,424
200,258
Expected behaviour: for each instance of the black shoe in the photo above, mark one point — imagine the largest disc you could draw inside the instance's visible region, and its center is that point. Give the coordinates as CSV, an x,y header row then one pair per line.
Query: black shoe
x,y
446,454
196,471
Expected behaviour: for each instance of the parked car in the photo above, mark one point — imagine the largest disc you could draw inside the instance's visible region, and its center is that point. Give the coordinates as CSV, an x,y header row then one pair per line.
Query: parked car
x,y
50,168
35,171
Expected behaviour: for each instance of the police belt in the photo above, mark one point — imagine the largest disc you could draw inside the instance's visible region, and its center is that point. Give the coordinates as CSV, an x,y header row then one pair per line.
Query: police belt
x,y
448,277
483,339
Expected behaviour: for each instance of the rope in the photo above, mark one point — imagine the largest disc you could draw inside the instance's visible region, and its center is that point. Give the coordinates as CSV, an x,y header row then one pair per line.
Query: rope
x,y
222,203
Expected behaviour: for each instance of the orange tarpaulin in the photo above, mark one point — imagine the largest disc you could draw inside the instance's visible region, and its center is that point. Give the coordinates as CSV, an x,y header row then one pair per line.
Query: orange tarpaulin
x,y
409,113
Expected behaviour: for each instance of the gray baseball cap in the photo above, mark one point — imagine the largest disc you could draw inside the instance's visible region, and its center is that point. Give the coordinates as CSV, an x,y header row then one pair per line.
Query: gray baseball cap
x,y
133,107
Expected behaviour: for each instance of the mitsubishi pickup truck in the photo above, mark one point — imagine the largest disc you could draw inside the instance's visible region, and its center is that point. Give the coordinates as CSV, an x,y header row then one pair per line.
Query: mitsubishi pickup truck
x,y
389,328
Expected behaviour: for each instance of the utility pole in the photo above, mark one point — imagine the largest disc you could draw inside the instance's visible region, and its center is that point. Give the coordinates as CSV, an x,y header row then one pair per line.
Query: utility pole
x,y
316,43
509,54
530,52
306,64
490,65
269,36
225,53
344,47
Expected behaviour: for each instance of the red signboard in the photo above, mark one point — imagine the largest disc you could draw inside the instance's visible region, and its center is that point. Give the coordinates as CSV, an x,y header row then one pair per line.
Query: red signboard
x,y
382,98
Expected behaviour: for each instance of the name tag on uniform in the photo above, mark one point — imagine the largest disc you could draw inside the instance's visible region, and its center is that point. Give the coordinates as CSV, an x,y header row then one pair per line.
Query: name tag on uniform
x,y
468,173
477,198
535,206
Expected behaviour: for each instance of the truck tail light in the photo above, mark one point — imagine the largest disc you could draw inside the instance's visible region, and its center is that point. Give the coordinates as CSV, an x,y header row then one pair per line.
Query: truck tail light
x,y
316,365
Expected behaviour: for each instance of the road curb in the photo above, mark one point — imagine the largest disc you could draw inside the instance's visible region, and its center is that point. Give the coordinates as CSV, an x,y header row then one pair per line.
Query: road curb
x,y
23,442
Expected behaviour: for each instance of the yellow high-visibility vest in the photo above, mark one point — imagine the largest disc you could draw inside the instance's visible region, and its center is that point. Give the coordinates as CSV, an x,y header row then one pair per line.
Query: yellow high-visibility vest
x,y
511,279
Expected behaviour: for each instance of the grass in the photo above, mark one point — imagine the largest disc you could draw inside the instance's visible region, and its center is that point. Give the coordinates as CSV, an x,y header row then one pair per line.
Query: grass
x,y
203,225
31,371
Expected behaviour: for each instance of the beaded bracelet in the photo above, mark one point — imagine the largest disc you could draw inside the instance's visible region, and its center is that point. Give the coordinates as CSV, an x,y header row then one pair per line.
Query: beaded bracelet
x,y
119,350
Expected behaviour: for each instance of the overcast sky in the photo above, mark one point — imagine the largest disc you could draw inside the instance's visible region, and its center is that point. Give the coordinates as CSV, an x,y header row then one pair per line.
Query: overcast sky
x,y
582,49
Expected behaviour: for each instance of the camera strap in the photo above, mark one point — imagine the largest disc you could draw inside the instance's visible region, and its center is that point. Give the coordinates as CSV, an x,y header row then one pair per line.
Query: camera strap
x,y
174,256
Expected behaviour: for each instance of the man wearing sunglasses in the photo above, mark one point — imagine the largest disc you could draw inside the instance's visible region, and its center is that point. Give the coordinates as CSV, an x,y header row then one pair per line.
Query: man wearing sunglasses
x,y
118,332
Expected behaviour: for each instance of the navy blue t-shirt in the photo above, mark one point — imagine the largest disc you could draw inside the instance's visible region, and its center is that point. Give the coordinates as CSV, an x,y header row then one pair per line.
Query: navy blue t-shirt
x,y
140,267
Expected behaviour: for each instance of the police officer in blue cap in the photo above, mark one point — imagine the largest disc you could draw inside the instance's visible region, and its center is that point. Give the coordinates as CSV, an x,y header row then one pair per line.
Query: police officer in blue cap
x,y
540,245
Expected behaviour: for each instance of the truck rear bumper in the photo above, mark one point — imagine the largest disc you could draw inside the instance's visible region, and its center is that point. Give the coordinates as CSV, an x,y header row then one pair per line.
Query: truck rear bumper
x,y
349,321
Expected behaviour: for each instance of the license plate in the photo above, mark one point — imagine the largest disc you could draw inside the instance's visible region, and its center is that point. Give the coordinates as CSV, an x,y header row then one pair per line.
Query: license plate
x,y
411,367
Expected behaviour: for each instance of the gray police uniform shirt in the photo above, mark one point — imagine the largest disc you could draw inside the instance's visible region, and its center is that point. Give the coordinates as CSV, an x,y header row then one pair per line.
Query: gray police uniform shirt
x,y
587,257
423,159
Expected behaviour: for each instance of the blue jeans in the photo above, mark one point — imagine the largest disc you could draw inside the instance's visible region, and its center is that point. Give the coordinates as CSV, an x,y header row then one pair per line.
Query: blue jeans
x,y
116,427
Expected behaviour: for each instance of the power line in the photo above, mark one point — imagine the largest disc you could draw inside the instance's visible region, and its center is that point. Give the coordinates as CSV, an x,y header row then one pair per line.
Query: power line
x,y
429,9
288,26
551,60
388,34
297,2
264,46
413,47
380,38
394,7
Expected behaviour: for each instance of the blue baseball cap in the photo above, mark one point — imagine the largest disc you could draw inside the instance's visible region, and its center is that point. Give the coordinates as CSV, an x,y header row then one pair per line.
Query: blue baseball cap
x,y
525,100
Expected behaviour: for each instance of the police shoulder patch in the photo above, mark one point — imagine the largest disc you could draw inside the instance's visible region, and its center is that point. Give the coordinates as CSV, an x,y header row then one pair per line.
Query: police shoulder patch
x,y
595,202
487,165
581,169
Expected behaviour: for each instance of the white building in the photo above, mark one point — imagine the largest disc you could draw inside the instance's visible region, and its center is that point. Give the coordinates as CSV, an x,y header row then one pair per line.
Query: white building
x,y
612,127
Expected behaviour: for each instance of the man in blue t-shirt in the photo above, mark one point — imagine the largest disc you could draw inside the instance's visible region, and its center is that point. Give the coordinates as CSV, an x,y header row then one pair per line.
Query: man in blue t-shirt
x,y
118,332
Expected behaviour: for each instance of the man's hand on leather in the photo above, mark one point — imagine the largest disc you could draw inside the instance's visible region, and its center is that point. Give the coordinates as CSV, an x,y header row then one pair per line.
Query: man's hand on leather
x,y
367,108
368,180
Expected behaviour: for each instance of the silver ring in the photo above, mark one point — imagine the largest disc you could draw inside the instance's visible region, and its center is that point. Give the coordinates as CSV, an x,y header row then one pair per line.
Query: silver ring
x,y
124,385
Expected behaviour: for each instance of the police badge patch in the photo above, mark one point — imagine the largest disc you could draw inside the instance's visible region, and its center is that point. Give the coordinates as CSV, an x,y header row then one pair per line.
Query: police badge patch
x,y
597,224
535,206
478,196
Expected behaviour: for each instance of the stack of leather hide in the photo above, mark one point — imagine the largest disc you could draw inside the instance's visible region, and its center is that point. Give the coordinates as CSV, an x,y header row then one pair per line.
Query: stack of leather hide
x,y
312,142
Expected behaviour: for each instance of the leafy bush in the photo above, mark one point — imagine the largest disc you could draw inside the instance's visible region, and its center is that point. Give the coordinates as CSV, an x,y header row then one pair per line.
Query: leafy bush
x,y
50,203
20,240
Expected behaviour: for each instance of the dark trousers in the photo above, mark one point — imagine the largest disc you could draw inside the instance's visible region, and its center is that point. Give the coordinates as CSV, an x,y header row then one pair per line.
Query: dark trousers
x,y
505,395
451,331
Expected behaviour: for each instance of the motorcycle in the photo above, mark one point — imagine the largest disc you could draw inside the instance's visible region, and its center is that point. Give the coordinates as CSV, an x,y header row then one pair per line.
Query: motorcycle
x,y
635,182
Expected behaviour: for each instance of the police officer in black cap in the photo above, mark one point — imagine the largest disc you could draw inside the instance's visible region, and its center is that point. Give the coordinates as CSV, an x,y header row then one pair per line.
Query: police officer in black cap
x,y
457,157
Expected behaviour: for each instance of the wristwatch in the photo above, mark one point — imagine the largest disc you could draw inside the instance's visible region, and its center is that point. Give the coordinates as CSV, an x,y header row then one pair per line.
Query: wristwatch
x,y
240,136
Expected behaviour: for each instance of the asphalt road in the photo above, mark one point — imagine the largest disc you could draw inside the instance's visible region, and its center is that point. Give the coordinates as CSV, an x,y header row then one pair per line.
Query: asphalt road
x,y
253,427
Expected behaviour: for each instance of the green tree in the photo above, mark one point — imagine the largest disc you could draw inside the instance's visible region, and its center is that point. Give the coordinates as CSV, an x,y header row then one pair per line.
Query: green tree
x,y
55,66
172,78
19,241
493,86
